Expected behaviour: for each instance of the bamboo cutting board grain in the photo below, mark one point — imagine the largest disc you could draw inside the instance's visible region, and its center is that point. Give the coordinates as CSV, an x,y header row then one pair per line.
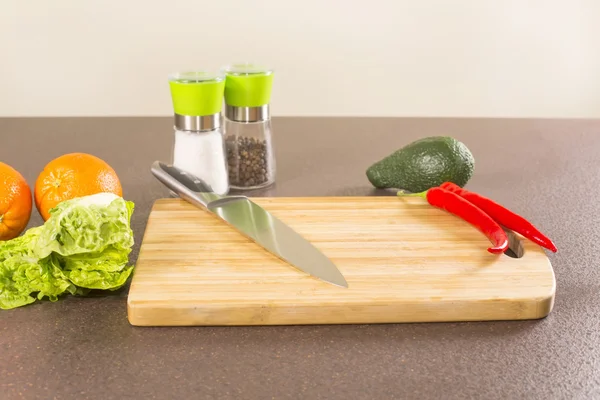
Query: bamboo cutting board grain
x,y
404,260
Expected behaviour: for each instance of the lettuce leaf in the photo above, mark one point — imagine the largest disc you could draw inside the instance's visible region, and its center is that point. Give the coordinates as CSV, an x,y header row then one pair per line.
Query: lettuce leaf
x,y
104,270
85,244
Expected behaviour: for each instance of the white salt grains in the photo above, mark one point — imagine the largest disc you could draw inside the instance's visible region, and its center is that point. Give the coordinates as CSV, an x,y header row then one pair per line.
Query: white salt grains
x,y
203,154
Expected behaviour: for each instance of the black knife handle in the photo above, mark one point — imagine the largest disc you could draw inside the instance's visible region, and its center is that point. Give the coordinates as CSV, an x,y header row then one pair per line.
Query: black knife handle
x,y
184,184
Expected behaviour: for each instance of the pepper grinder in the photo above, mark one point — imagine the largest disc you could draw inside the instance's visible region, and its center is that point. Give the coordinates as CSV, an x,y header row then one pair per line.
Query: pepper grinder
x,y
199,146
248,135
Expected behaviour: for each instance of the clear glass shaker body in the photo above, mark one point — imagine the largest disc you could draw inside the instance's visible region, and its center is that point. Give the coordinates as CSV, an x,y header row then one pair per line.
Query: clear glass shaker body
x,y
250,154
202,154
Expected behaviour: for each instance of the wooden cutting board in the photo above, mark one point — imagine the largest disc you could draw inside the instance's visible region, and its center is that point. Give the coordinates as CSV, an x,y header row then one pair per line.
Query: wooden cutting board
x,y
404,260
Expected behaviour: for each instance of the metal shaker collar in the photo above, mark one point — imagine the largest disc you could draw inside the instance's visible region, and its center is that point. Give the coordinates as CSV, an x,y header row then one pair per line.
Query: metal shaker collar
x,y
197,123
247,114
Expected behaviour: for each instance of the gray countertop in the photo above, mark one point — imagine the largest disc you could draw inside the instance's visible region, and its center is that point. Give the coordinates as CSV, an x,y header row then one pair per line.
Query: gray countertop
x,y
546,170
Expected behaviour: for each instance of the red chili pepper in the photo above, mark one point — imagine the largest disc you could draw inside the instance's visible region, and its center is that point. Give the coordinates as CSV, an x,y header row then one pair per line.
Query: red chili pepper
x,y
455,204
502,215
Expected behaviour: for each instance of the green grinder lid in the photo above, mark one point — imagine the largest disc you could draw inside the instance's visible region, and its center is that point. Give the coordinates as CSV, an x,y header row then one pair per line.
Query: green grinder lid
x,y
248,85
197,93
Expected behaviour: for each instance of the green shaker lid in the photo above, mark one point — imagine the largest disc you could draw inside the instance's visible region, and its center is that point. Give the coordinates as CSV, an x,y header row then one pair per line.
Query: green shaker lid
x,y
248,85
197,93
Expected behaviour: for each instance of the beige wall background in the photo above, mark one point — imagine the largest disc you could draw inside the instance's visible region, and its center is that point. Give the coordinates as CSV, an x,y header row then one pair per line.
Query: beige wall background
x,y
515,58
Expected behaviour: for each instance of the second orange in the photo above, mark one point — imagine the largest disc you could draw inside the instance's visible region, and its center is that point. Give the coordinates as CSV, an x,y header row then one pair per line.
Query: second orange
x,y
73,175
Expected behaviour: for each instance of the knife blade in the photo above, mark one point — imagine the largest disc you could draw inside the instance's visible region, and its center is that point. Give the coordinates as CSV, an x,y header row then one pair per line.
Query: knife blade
x,y
253,221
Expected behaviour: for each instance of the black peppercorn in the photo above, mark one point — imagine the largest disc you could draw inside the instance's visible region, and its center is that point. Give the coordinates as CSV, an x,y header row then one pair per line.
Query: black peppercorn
x,y
247,161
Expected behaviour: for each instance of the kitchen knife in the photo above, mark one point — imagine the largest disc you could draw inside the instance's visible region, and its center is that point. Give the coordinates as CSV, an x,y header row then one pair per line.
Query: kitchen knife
x,y
253,221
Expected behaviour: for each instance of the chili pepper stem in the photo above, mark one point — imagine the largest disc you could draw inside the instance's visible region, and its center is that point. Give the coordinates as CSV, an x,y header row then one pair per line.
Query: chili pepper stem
x,y
402,193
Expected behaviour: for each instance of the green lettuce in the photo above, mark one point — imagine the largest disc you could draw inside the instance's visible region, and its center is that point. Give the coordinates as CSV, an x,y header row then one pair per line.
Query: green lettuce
x,y
84,245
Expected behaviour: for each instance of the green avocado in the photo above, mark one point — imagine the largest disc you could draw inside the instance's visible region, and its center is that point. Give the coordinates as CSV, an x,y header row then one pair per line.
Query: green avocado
x,y
423,164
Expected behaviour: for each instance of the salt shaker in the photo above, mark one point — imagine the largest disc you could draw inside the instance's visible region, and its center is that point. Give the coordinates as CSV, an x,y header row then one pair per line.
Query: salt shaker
x,y
199,146
248,135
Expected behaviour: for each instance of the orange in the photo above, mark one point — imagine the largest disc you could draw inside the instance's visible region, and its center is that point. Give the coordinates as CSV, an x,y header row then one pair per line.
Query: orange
x,y
15,202
73,175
